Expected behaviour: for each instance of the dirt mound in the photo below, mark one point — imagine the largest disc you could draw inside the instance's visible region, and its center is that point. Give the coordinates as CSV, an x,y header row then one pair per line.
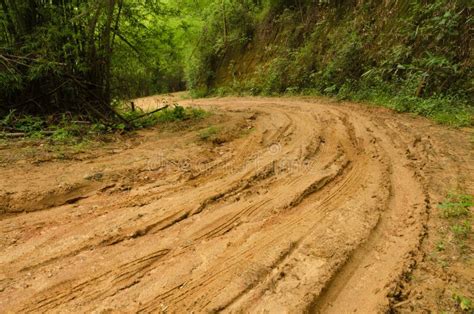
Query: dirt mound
x,y
305,206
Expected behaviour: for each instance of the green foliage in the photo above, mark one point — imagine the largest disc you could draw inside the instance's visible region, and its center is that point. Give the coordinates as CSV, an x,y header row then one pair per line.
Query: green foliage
x,y
75,56
449,110
440,246
68,129
456,205
462,230
154,43
209,134
60,56
179,113
168,115
29,124
62,128
410,56
227,23
456,209
464,303
61,135
55,56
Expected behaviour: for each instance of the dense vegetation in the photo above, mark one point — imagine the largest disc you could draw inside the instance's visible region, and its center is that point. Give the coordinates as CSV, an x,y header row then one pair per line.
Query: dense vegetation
x,y
56,55
76,56
412,56
84,57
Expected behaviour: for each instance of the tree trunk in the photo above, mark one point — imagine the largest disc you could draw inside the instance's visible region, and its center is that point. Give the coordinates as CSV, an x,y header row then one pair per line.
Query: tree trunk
x,y
225,22
107,53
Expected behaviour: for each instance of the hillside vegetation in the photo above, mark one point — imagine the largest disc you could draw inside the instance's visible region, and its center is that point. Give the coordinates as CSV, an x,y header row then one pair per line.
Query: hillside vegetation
x,y
412,56
86,57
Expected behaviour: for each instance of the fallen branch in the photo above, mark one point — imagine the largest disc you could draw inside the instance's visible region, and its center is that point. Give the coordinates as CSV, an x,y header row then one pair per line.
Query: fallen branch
x,y
148,113
401,303
23,134
12,135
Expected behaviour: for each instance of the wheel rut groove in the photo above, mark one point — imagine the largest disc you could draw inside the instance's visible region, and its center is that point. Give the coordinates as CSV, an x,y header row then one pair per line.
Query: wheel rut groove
x,y
318,205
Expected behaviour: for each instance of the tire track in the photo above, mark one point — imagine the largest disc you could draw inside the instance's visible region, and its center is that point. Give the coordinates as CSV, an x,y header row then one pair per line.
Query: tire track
x,y
296,216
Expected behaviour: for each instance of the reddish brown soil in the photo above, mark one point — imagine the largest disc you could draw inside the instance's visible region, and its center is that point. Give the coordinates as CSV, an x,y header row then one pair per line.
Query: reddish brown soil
x,y
304,205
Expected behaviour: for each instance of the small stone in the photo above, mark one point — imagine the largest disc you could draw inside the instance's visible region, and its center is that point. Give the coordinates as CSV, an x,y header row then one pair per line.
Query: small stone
x,y
94,177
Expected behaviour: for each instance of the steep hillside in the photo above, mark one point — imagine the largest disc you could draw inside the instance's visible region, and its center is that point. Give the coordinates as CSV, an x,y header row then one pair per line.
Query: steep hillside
x,y
409,55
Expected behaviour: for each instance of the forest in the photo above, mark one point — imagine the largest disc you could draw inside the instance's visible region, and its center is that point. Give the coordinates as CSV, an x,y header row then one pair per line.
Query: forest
x,y
83,56
87,56
236,156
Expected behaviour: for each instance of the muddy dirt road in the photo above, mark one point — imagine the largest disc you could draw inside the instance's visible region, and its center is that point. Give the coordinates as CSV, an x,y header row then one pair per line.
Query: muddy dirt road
x,y
308,206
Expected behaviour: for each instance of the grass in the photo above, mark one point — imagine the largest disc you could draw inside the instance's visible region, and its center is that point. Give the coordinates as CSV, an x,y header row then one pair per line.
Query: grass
x,y
456,210
55,128
440,246
62,136
464,303
209,134
454,110
456,205
168,115
446,111
461,230
179,113
67,129
455,246
450,111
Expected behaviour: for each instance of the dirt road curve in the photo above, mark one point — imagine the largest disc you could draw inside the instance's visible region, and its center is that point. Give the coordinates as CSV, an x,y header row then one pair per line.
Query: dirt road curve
x,y
312,206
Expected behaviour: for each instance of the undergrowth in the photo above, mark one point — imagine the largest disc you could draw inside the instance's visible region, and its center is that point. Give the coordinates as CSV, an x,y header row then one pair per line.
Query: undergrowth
x,y
454,246
456,206
407,56
209,134
451,111
169,115
445,110
74,129
456,209
463,302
